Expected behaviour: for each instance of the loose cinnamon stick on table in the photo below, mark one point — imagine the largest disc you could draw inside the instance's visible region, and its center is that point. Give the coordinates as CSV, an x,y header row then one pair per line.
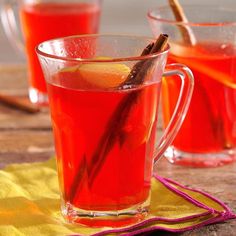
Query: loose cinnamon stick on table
x,y
113,131
18,104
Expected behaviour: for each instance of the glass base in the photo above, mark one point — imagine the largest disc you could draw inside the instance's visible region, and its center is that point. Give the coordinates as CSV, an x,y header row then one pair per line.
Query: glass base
x,y
38,97
176,156
117,218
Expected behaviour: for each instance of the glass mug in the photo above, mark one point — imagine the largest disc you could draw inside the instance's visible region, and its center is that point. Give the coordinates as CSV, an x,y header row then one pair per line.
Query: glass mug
x,y
104,129
207,137
42,20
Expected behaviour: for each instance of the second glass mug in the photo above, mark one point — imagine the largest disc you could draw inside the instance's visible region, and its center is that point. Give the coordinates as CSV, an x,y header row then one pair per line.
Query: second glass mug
x,y
207,137
105,128
42,20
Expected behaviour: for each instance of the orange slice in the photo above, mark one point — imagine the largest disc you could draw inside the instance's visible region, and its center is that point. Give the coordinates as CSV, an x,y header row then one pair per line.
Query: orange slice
x,y
217,75
104,75
212,73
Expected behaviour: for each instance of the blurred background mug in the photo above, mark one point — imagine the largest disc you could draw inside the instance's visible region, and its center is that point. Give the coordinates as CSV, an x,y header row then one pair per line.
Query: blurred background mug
x,y
208,46
42,20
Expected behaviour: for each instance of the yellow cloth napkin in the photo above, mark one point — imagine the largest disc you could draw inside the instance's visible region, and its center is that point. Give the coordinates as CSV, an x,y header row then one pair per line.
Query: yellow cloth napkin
x,y
30,205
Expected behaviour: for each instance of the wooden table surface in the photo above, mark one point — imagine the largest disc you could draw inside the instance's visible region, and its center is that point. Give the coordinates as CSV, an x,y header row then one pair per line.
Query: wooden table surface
x,y
28,138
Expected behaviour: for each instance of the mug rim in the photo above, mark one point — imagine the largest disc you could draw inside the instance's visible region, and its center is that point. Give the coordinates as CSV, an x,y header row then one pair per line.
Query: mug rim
x,y
152,11
97,60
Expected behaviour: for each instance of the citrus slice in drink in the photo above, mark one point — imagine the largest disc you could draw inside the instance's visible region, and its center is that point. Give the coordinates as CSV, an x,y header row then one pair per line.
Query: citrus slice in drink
x,y
103,74
183,53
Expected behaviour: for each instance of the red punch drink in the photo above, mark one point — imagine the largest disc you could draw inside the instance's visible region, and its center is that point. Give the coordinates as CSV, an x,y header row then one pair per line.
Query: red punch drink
x,y
210,124
205,42
94,176
104,102
45,21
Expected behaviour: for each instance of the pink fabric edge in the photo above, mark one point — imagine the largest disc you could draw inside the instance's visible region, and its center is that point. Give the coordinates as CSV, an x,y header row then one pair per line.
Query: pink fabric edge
x,y
216,219
184,195
203,193
222,216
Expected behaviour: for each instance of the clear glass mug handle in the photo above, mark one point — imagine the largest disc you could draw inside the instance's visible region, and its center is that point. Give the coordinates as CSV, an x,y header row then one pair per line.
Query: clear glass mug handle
x,y
10,26
186,90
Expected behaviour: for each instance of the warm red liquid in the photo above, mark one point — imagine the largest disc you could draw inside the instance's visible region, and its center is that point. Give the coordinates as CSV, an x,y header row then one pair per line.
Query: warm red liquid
x,y
210,124
45,21
79,121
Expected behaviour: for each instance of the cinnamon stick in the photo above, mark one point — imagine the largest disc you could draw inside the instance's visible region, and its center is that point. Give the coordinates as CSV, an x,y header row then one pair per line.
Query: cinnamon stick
x,y
137,74
114,129
190,39
180,16
17,103
131,78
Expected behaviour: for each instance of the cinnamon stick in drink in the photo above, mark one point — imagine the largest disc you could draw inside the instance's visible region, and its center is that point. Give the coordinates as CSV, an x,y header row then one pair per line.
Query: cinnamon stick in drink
x,y
190,40
113,131
138,72
180,16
